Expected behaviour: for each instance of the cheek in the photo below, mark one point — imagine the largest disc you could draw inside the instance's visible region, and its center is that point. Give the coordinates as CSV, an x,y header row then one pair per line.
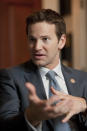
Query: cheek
x,y
53,48
52,52
30,47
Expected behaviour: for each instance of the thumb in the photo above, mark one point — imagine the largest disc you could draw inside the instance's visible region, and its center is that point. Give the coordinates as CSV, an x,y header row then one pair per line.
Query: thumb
x,y
32,93
31,88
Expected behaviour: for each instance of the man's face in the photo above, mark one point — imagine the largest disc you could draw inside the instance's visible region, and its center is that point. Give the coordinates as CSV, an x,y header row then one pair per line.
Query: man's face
x,y
43,44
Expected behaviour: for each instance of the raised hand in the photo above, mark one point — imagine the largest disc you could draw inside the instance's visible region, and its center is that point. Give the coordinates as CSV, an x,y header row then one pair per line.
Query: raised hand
x,y
69,105
38,109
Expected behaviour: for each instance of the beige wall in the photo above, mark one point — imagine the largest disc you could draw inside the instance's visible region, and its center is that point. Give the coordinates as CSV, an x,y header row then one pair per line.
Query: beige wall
x,y
77,25
79,34
52,4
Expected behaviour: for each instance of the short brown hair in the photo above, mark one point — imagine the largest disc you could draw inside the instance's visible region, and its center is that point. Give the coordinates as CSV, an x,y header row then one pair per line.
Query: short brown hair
x,y
49,16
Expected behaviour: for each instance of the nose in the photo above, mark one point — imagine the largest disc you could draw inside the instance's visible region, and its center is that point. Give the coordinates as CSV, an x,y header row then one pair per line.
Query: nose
x,y
38,45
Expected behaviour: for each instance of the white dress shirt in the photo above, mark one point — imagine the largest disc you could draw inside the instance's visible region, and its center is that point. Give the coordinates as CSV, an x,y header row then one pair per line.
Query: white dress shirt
x,y
60,79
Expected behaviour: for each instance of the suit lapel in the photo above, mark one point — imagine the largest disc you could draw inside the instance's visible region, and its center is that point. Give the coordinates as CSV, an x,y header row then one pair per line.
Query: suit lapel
x,y
71,81
32,75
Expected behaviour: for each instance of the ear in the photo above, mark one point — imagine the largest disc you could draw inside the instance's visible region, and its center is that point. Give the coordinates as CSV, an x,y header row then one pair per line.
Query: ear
x,y
62,42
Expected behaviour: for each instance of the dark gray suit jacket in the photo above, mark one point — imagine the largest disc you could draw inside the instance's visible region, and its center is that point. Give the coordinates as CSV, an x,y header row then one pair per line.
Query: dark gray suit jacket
x,y
14,95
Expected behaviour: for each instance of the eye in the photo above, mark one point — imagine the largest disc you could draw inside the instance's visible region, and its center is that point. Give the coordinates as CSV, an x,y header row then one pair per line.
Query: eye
x,y
32,39
45,39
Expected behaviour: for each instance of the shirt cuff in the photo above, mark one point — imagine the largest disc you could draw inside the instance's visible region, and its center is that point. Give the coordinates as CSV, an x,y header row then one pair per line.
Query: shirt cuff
x,y
37,128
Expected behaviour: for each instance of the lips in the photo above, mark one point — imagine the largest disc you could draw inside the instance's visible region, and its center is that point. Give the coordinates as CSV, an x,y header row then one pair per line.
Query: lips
x,y
38,55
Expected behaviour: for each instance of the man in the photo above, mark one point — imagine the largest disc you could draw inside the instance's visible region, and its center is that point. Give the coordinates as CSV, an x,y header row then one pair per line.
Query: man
x,y
25,103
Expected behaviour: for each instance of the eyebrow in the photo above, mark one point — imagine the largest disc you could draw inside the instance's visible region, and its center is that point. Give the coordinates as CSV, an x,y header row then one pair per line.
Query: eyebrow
x,y
31,36
44,36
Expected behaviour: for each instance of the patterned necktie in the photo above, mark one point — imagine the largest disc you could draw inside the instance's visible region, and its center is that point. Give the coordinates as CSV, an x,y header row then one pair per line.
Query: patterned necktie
x,y
58,125
52,82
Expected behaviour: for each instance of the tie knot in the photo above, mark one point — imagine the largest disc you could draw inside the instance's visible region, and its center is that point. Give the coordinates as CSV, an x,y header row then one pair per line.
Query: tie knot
x,y
51,75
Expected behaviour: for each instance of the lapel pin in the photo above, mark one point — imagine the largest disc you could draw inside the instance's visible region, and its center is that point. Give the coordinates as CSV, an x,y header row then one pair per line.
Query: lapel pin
x,y
72,80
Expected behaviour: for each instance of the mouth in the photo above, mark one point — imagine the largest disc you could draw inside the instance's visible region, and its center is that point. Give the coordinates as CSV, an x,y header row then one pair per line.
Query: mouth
x,y
38,56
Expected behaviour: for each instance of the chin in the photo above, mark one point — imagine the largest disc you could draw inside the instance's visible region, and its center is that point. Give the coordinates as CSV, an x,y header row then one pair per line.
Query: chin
x,y
39,63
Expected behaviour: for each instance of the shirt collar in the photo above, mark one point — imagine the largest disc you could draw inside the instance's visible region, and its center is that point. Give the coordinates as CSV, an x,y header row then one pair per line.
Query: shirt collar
x,y
57,69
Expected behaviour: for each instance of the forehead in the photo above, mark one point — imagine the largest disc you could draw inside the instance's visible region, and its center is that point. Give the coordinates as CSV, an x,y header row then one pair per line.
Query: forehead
x,y
41,27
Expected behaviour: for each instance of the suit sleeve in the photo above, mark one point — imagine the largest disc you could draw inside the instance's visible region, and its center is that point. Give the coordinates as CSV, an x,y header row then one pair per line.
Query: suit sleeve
x,y
82,117
11,116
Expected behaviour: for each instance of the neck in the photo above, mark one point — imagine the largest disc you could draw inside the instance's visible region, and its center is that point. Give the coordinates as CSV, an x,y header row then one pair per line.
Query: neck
x,y
52,66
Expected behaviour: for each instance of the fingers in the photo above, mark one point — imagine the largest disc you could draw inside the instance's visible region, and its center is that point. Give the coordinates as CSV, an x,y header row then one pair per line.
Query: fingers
x,y
53,91
32,92
56,92
31,88
68,116
52,100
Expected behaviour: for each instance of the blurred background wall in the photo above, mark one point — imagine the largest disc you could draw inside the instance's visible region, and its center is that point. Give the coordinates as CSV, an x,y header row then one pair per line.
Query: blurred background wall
x,y
13,41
